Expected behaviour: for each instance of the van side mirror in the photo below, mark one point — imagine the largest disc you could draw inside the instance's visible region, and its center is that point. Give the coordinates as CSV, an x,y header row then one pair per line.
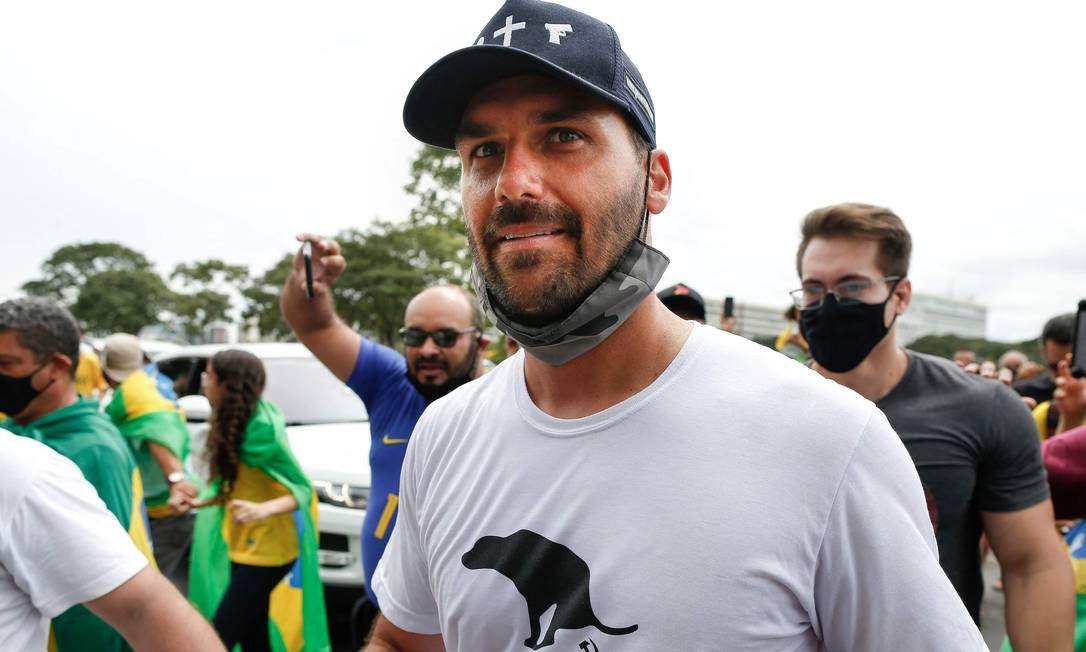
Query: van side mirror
x,y
196,407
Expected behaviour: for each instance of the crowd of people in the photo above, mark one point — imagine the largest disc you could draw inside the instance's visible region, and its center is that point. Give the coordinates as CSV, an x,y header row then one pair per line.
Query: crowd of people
x,y
628,477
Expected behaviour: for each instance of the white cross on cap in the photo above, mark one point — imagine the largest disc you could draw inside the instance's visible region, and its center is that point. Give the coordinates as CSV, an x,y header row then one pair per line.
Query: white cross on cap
x,y
507,31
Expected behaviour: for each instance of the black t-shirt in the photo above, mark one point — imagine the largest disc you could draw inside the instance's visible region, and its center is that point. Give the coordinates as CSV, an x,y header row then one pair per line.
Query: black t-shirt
x,y
1039,388
976,448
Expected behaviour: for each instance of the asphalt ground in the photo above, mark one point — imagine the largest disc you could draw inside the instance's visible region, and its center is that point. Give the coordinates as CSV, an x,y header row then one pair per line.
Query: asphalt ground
x,y
992,625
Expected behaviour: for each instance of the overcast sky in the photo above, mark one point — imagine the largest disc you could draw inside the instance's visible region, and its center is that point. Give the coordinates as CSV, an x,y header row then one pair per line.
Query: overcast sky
x,y
219,129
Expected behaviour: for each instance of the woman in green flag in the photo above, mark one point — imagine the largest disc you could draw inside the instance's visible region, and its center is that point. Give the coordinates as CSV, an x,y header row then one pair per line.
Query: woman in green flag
x,y
254,556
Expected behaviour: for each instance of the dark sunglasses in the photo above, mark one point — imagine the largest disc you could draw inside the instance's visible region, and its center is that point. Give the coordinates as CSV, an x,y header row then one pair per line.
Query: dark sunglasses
x,y
443,337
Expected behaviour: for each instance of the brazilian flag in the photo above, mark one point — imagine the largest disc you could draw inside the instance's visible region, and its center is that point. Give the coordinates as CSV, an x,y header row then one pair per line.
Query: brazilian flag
x,y
297,620
144,416
85,436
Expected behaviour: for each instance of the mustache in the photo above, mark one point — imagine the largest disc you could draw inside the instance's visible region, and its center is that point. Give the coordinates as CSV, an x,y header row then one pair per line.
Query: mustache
x,y
551,216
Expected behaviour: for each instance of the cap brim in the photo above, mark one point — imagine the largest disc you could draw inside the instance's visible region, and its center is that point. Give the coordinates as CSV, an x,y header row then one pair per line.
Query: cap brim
x,y
437,101
116,375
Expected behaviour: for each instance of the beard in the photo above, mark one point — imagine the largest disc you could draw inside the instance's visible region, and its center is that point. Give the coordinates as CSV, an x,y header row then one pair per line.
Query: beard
x,y
455,378
565,283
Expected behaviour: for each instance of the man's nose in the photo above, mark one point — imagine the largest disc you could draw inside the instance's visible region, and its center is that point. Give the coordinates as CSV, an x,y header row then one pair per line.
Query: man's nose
x,y
429,347
521,176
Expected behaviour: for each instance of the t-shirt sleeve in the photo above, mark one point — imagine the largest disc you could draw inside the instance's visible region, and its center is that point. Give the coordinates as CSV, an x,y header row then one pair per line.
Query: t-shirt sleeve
x,y
879,549
1011,474
374,368
401,580
63,547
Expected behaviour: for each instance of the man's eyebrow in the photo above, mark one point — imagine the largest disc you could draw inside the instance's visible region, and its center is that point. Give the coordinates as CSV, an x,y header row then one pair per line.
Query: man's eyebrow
x,y
472,129
845,278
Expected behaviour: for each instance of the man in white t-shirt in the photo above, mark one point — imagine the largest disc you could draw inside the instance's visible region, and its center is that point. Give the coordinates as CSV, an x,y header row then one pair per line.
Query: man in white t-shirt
x,y
631,481
60,546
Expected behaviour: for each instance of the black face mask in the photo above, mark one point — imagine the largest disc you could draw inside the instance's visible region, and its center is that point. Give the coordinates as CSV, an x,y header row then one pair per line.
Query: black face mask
x,y
433,392
16,392
841,336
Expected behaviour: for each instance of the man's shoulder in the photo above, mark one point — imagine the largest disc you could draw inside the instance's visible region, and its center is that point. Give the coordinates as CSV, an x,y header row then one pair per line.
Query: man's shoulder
x,y
21,460
931,374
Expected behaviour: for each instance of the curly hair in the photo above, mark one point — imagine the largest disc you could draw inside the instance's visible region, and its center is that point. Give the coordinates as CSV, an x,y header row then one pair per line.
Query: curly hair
x,y
240,377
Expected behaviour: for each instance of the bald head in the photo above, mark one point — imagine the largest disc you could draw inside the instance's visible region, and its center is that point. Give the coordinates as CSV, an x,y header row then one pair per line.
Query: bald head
x,y
451,301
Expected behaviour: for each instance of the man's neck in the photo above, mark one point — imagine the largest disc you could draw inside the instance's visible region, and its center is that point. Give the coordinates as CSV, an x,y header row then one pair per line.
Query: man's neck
x,y
878,374
48,402
619,367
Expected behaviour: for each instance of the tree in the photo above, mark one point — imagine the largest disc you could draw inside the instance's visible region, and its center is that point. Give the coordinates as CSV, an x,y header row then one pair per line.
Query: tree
x,y
262,301
122,300
71,266
388,262
206,296
944,346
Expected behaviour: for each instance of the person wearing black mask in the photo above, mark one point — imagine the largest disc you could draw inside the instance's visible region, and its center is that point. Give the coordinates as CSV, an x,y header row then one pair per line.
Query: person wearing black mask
x,y
444,345
972,440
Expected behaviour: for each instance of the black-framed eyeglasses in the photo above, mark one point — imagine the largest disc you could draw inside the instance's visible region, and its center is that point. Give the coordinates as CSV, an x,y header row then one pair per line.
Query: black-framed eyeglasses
x,y
847,292
443,337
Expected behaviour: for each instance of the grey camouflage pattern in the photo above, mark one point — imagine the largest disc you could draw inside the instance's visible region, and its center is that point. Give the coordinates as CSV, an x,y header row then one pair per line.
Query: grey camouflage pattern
x,y
633,278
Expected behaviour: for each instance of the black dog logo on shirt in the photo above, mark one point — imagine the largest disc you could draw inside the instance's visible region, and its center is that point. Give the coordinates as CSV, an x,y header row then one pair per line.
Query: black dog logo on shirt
x,y
545,573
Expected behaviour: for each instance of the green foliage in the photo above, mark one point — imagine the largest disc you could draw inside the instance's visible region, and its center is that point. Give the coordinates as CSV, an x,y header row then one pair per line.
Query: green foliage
x,y
207,290
262,301
387,265
113,288
435,183
121,300
944,346
70,267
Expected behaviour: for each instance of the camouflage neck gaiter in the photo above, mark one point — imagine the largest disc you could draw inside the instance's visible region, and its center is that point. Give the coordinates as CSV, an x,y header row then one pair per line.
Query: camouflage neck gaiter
x,y
633,278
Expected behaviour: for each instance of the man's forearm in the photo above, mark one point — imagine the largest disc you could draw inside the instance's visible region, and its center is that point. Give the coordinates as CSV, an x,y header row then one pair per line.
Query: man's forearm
x,y
151,615
1040,607
165,458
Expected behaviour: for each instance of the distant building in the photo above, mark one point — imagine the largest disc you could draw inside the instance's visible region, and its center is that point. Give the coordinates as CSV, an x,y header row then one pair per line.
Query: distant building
x,y
928,314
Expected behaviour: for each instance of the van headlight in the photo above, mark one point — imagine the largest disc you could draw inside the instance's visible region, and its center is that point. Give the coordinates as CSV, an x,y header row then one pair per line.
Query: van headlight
x,y
342,494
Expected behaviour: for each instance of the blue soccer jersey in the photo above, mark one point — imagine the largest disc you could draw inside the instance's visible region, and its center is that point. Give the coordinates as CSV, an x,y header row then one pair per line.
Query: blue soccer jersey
x,y
394,405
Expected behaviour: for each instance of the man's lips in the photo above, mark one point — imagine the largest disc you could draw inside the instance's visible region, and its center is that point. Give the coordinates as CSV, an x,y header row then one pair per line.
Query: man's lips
x,y
527,236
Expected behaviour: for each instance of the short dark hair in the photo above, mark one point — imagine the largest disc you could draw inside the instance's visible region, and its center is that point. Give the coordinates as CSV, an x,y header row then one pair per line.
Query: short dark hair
x,y
1060,329
43,326
866,221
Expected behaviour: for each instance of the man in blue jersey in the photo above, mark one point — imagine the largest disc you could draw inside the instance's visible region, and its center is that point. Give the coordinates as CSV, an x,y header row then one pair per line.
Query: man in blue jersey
x,y
443,349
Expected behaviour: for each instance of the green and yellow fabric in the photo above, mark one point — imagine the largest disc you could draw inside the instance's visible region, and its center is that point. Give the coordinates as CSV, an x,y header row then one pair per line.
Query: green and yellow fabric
x,y
90,382
143,415
85,436
297,620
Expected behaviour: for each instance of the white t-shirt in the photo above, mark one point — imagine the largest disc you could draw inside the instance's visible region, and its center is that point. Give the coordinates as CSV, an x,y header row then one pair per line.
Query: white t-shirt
x,y
59,545
740,502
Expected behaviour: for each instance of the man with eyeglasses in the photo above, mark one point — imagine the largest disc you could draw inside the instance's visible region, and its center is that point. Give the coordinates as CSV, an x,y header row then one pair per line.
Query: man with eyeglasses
x,y
972,440
443,349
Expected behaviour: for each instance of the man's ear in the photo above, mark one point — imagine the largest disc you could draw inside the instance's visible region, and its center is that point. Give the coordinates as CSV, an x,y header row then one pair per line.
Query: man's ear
x,y
659,181
904,293
484,342
62,364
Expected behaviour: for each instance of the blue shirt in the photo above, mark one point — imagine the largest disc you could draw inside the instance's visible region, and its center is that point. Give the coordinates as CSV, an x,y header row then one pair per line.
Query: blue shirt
x,y
162,382
394,406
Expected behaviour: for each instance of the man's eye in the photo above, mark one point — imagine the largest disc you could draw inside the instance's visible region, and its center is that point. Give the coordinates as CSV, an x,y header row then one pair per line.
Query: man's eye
x,y
484,150
852,289
565,136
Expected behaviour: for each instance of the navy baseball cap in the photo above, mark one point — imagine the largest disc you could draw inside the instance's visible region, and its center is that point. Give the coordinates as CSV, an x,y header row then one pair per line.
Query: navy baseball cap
x,y
528,37
685,298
